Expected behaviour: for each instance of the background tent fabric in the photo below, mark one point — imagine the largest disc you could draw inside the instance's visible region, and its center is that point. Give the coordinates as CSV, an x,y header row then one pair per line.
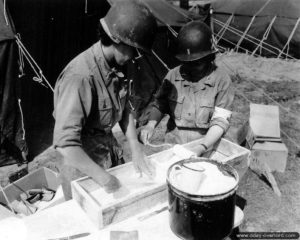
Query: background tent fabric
x,y
167,13
286,16
53,32
12,140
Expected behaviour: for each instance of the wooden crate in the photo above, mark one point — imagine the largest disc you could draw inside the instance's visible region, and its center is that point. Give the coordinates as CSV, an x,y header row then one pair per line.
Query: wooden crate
x,y
42,177
139,194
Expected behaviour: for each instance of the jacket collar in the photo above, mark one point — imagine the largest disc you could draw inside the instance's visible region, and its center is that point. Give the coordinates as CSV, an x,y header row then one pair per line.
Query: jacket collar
x,y
107,72
208,80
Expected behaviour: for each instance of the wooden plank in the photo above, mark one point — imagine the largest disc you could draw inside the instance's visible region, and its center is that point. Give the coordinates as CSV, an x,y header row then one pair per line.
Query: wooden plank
x,y
140,193
90,205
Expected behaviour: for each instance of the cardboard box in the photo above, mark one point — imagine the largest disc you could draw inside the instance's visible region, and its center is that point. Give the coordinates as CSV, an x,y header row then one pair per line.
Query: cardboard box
x,y
263,137
264,124
272,153
42,177
140,194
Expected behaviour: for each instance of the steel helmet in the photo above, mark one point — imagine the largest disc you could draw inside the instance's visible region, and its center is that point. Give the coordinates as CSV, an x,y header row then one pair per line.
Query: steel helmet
x,y
194,41
132,23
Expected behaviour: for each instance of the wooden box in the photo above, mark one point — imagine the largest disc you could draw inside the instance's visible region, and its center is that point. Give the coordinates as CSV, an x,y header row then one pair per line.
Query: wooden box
x,y
274,154
42,177
263,137
139,194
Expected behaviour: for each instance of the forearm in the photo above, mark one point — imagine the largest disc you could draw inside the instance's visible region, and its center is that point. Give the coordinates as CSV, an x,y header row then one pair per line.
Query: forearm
x,y
76,157
131,134
214,133
128,127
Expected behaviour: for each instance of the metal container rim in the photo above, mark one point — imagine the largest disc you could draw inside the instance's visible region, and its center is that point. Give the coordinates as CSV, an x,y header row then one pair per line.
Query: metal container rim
x,y
196,197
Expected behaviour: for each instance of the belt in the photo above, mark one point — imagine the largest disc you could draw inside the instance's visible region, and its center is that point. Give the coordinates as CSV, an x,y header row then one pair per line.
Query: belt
x,y
201,130
96,131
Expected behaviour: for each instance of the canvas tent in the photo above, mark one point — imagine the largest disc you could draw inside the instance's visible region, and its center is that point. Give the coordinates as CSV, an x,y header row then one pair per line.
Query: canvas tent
x,y
266,27
12,140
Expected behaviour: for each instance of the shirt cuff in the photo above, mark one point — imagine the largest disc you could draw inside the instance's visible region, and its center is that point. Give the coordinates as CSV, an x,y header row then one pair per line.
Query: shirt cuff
x,y
66,140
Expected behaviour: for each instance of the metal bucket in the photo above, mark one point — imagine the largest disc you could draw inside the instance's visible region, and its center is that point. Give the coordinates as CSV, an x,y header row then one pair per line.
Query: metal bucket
x,y
201,216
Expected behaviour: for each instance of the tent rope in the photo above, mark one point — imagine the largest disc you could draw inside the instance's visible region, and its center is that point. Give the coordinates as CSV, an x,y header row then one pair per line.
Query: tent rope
x,y
21,61
250,24
161,61
4,12
232,43
228,41
239,33
175,34
38,78
252,39
85,6
265,36
289,39
224,29
22,119
35,67
244,34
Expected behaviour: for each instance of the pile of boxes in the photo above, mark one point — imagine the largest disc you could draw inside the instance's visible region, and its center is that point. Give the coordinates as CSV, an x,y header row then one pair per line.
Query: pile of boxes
x,y
263,137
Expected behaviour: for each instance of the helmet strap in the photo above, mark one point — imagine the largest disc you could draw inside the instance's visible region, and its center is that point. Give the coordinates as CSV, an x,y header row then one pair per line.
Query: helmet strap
x,y
106,29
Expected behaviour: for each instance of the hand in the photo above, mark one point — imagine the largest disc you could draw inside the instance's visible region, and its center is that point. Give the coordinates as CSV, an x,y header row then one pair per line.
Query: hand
x,y
112,184
142,164
199,150
146,133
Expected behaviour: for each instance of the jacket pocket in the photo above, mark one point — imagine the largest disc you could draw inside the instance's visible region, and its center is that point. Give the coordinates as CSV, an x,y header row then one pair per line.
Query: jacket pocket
x,y
105,112
176,105
205,109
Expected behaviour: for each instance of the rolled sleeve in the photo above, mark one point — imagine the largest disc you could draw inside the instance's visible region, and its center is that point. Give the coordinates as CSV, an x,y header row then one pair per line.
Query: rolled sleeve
x,y
72,105
225,94
223,104
221,118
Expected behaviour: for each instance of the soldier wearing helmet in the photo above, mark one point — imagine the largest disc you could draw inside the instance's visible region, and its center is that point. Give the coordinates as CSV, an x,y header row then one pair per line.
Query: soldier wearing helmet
x,y
197,95
90,97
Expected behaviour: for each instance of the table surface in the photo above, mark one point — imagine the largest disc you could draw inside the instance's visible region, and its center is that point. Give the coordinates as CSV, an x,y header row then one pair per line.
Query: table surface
x,y
69,219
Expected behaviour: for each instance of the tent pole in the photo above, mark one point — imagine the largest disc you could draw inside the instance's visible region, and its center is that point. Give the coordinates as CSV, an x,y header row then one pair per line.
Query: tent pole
x,y
251,39
224,28
265,36
289,39
250,24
